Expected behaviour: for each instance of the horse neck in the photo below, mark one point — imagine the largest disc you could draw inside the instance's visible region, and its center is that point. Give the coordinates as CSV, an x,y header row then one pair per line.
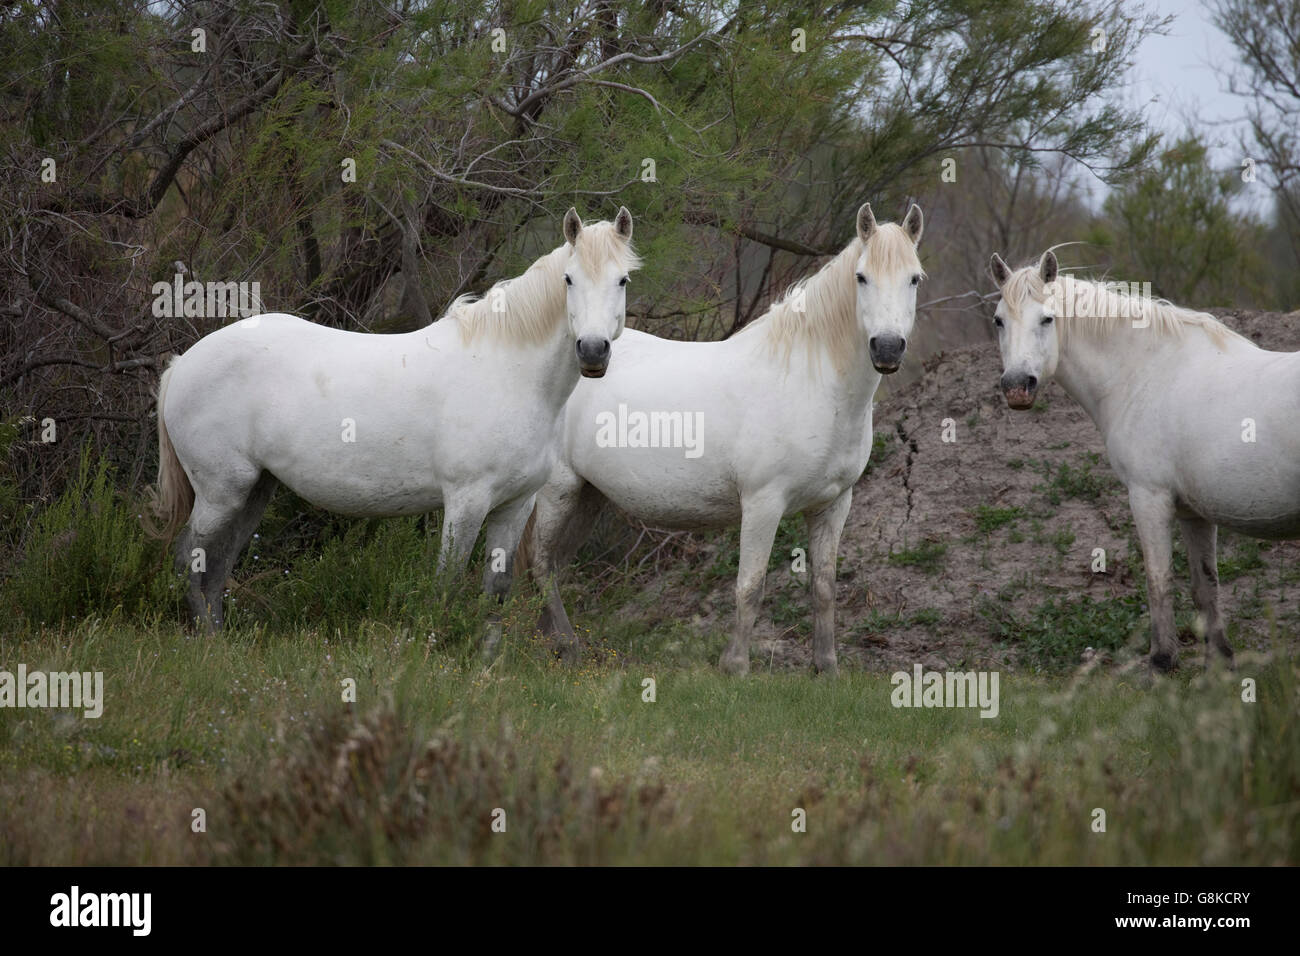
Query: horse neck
x,y
550,359
853,379
858,382
549,367
556,361
1103,372
557,367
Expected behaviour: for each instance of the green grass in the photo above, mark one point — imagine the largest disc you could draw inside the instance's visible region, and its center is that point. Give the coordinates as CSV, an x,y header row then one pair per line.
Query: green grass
x,y
1063,541
877,621
251,728
927,557
1081,481
790,534
1245,557
883,446
925,617
988,518
1054,636
790,607
85,554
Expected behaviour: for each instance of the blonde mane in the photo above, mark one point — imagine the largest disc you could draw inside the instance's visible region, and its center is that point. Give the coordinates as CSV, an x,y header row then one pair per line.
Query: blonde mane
x,y
828,320
1095,309
532,305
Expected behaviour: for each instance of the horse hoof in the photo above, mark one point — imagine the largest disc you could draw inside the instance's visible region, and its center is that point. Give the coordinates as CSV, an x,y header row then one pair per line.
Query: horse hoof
x,y
1163,661
735,665
829,669
1221,659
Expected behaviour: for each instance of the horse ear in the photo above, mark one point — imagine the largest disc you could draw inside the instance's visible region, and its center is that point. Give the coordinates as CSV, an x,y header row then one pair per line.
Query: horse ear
x,y
1047,267
1000,271
572,226
866,222
914,224
623,222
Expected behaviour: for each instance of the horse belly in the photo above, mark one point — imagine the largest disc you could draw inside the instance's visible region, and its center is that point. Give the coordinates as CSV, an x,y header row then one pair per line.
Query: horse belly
x,y
1285,528
1257,513
1238,465
663,488
377,493
1259,500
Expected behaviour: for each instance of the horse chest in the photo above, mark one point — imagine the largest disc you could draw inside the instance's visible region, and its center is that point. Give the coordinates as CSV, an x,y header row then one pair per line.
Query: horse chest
x,y
828,474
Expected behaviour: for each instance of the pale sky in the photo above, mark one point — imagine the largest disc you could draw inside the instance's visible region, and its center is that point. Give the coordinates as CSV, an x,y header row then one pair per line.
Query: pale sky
x,y
1178,79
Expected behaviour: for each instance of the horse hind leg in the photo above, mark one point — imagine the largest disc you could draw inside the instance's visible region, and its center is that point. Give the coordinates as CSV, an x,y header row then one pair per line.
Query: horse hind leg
x,y
1201,537
504,528
1153,512
218,531
192,560
563,520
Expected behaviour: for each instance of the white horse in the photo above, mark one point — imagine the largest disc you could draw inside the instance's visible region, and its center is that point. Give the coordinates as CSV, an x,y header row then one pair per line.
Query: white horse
x,y
773,421
463,415
1200,423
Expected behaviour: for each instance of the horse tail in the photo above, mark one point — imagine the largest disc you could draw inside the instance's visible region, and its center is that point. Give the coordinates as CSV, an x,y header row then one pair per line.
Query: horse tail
x,y
524,553
173,499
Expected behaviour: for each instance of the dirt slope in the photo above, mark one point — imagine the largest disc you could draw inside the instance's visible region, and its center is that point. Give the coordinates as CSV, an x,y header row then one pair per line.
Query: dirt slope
x,y
980,551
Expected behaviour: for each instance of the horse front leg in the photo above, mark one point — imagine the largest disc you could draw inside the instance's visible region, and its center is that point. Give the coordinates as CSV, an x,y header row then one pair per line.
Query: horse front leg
x,y
824,530
758,525
1153,513
461,521
1201,538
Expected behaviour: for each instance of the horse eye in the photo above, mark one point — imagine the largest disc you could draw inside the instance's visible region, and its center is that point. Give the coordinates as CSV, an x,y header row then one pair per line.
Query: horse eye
x,y
568,281
862,280
916,280
1047,320
623,281
997,322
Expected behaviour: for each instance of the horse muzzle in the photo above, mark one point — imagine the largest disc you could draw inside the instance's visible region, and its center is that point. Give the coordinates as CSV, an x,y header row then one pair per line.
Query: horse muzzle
x,y
593,356
1020,390
887,353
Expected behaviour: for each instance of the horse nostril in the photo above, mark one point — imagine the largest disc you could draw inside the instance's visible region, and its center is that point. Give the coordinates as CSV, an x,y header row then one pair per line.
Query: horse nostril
x,y
1031,382
887,347
593,350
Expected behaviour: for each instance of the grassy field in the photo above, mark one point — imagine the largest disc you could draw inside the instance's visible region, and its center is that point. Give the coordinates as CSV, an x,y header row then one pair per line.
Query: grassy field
x,y
251,727
574,764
